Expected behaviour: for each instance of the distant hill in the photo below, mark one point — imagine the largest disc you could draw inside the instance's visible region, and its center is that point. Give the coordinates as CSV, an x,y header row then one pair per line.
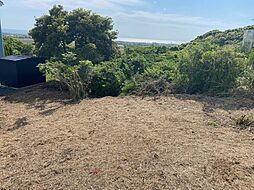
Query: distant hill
x,y
221,38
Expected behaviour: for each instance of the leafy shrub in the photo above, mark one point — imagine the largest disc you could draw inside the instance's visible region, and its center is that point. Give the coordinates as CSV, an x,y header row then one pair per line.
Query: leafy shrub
x,y
129,87
75,77
132,65
166,69
246,81
105,83
212,70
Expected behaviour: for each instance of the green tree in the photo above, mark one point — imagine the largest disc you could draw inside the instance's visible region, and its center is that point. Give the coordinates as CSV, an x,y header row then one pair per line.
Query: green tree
x,y
88,35
49,33
92,34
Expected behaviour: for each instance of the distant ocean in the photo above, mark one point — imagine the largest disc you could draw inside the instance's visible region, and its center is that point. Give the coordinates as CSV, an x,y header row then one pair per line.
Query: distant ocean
x,y
15,31
124,39
148,40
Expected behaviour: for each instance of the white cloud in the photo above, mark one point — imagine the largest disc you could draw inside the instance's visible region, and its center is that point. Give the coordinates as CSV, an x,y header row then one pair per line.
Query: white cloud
x,y
164,26
89,4
169,19
118,10
141,24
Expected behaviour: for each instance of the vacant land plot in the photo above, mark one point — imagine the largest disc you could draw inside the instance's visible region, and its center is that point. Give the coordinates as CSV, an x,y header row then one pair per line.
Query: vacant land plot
x,y
178,142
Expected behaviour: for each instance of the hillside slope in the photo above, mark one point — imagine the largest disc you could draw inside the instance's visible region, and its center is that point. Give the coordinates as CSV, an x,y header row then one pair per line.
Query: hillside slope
x,y
221,38
123,143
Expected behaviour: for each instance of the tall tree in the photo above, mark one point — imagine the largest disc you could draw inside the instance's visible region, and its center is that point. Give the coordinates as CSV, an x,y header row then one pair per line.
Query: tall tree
x,y
86,34
93,35
49,33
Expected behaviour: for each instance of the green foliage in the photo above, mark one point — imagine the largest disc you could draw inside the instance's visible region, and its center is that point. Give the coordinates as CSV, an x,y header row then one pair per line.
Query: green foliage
x,y
132,64
105,82
76,77
212,63
130,86
166,69
251,57
13,46
205,69
221,38
147,72
200,68
246,80
93,35
88,35
50,33
212,123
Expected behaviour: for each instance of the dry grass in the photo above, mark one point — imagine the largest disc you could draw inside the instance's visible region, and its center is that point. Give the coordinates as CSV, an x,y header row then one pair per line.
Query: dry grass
x,y
245,122
124,143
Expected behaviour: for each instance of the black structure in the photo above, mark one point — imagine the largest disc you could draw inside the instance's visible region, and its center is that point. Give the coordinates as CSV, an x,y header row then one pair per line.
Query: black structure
x,y
20,71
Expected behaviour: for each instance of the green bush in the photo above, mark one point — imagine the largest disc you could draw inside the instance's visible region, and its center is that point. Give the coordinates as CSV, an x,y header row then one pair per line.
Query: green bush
x,y
198,68
105,83
75,77
166,69
132,64
212,70
89,35
246,80
156,78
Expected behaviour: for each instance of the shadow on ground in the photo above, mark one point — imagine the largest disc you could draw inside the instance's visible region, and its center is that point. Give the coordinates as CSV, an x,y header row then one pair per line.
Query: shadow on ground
x,y
39,97
6,90
225,103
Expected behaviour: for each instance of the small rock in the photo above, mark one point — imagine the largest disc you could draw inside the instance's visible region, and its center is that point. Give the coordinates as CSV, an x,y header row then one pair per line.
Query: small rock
x,y
156,156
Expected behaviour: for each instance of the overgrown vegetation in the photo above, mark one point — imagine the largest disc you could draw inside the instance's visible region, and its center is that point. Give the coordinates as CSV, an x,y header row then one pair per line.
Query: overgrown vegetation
x,y
205,68
72,74
84,58
13,46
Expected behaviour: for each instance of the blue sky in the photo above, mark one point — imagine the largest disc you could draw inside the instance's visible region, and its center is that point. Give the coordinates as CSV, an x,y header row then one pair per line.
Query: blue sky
x,y
165,20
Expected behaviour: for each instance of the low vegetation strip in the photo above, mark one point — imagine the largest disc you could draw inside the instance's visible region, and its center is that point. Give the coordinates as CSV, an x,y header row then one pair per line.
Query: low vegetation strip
x,y
48,141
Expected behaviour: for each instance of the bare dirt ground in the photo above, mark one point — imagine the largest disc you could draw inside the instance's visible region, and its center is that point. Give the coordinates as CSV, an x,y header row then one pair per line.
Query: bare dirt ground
x,y
177,142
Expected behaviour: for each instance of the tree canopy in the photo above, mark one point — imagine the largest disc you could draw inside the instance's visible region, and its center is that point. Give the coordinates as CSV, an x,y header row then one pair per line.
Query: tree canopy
x,y
88,35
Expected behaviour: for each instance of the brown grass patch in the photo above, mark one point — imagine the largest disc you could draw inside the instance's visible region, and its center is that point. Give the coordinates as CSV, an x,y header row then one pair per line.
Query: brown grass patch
x,y
124,143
